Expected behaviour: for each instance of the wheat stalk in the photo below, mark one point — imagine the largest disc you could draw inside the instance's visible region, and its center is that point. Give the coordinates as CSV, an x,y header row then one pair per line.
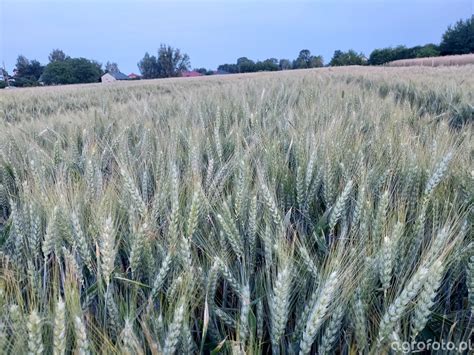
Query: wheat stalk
x,y
318,313
60,328
279,305
172,337
35,337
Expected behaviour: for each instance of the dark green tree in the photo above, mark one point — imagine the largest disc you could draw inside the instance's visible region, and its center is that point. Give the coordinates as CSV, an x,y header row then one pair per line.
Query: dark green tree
x,y
85,70
246,65
58,72
303,59
72,71
3,74
229,68
379,56
351,57
270,64
27,72
336,58
428,50
284,64
149,68
306,60
458,39
57,55
171,61
3,78
385,55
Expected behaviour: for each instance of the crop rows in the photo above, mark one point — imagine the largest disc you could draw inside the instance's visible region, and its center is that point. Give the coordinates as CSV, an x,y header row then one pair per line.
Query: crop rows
x,y
287,213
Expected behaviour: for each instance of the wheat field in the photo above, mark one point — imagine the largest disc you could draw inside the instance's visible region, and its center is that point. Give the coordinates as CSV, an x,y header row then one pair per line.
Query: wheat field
x,y
462,59
314,211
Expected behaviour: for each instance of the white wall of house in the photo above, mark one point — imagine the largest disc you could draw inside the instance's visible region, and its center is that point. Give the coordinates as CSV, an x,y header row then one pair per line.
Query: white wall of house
x,y
107,78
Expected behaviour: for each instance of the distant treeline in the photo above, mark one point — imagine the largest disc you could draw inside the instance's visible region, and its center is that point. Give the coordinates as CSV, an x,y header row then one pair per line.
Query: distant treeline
x,y
244,65
171,62
385,55
61,69
458,39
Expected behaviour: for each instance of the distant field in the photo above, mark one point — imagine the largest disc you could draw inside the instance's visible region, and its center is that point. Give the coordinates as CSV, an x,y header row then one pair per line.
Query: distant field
x,y
325,210
434,61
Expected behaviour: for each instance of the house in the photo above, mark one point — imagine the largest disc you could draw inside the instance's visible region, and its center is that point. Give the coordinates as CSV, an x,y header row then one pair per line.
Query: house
x,y
190,74
133,76
113,76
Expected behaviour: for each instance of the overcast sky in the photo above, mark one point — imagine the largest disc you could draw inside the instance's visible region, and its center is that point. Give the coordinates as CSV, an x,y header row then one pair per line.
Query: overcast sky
x,y
216,32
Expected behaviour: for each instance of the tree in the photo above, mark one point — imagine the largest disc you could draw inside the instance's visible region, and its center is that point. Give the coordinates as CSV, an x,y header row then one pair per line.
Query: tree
x,y
203,71
111,67
58,72
336,58
27,72
385,55
3,74
284,64
57,55
270,64
169,63
316,61
303,59
85,70
306,60
72,71
379,56
428,50
246,65
3,78
458,39
351,57
148,67
229,68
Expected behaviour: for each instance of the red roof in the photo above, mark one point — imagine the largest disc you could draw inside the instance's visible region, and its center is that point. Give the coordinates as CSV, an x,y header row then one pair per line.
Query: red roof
x,y
133,76
189,74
